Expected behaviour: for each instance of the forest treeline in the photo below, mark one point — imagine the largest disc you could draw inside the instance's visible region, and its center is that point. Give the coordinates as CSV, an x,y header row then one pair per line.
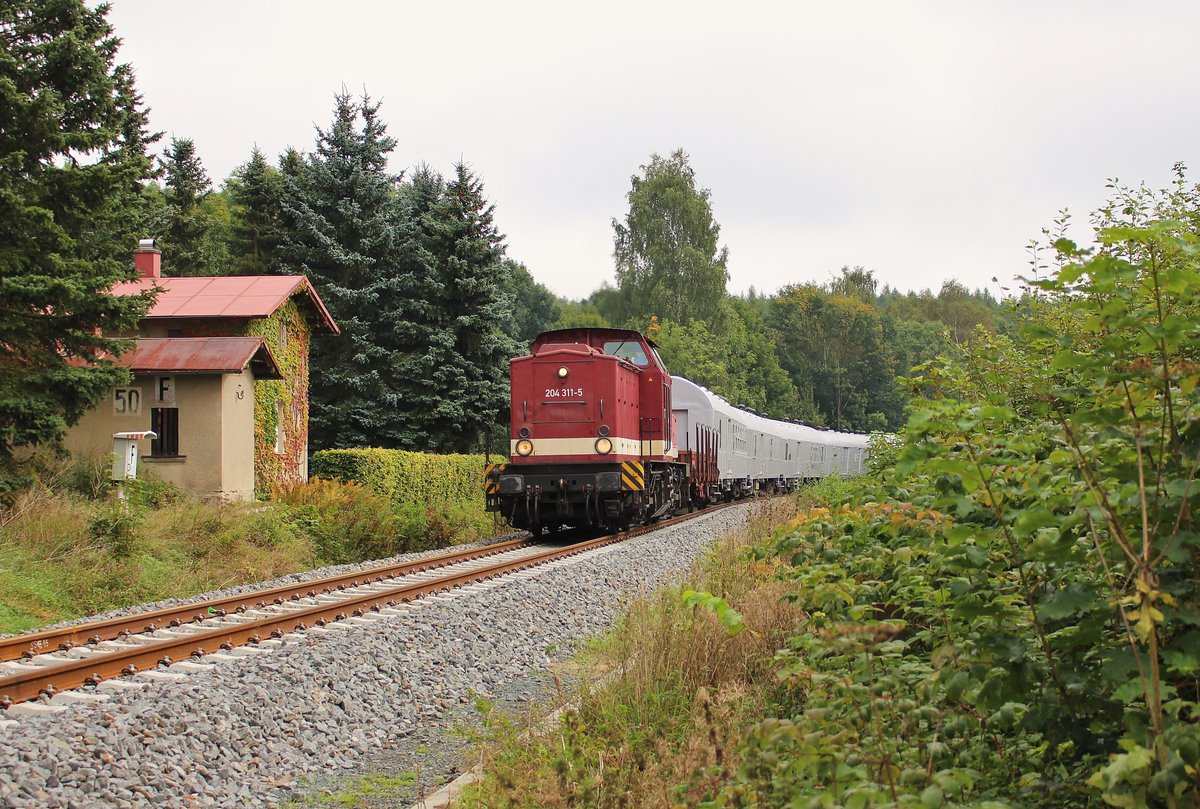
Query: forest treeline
x,y
826,353
411,264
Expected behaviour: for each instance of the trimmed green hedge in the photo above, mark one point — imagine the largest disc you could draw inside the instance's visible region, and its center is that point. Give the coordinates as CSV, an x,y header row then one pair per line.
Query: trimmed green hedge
x,y
404,477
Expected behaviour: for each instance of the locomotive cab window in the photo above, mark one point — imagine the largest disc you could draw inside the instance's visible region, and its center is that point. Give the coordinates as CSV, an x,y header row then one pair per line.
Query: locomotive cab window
x,y
628,349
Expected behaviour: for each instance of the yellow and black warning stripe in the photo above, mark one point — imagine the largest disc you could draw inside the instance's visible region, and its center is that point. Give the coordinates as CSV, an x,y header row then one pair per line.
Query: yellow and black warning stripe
x,y
491,477
633,476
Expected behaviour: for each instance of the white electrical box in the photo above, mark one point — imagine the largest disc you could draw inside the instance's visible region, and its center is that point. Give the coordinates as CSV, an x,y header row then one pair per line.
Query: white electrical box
x,y
125,453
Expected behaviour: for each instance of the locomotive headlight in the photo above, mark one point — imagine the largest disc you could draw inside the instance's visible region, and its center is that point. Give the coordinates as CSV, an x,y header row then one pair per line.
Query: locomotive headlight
x,y
603,446
562,372
524,447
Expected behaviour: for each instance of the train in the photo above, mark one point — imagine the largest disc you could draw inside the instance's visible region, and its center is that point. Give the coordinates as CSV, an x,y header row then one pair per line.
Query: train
x,y
603,436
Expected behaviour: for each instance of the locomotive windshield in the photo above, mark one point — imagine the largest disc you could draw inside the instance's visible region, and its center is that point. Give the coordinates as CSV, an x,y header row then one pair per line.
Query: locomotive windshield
x,y
627,349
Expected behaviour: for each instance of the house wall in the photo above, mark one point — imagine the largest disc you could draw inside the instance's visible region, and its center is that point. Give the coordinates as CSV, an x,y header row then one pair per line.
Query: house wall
x,y
237,446
288,395
216,457
91,438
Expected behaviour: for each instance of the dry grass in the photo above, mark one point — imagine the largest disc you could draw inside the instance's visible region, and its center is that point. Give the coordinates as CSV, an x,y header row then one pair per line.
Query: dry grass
x,y
64,554
677,688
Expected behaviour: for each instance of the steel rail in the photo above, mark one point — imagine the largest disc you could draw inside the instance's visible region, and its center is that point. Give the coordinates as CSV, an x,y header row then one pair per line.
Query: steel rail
x,y
101,665
19,647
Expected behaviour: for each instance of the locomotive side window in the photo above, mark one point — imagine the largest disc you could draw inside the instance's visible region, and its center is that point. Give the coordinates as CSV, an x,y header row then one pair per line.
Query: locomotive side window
x,y
658,358
627,349
666,417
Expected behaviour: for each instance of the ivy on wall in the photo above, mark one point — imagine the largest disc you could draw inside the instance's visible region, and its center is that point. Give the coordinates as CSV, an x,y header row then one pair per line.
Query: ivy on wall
x,y
289,395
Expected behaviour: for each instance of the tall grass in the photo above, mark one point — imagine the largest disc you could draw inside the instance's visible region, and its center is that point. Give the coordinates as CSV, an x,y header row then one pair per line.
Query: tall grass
x,y
675,689
71,549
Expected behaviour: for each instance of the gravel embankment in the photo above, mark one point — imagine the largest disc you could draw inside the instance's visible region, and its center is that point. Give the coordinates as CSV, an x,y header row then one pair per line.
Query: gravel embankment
x,y
256,731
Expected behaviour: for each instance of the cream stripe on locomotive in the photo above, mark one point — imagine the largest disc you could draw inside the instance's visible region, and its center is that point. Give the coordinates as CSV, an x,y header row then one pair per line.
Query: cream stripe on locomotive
x,y
587,446
656,448
576,446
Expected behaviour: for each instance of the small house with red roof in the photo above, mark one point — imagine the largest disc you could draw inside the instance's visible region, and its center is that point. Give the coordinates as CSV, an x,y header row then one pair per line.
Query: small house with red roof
x,y
220,375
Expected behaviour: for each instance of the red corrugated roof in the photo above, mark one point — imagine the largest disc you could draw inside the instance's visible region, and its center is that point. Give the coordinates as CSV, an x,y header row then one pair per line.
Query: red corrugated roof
x,y
202,355
228,296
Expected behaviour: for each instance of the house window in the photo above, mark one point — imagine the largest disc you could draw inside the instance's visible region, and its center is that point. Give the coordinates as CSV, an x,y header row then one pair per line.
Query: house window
x,y
164,421
279,449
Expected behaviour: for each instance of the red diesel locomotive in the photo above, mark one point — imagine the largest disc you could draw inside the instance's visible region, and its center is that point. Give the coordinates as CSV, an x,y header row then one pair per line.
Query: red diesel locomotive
x,y
592,439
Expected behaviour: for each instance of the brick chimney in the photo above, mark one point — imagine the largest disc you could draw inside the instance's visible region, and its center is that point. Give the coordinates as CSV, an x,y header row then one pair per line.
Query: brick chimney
x,y
147,259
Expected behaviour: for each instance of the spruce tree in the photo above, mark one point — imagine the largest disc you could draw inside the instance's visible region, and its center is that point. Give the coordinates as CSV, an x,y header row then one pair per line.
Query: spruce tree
x,y
256,191
73,141
190,234
463,351
341,219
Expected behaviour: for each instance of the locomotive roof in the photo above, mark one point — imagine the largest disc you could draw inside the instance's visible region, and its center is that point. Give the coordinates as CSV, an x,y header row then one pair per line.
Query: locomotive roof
x,y
588,335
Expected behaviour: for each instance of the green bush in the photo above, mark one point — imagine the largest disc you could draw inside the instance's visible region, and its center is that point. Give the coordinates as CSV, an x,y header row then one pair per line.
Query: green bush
x,y
404,477
115,527
348,522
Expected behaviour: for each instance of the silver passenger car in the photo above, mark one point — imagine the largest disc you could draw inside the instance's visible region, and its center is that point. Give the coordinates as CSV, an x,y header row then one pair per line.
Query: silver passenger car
x,y
754,452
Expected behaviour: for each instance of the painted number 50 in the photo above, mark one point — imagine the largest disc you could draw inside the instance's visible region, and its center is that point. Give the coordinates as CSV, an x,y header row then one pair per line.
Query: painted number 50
x,y
127,401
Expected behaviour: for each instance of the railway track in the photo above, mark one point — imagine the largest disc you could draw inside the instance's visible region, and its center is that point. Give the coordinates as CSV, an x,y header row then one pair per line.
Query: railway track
x,y
88,654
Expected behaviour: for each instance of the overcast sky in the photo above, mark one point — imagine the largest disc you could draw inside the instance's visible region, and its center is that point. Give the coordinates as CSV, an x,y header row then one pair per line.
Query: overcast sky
x,y
922,140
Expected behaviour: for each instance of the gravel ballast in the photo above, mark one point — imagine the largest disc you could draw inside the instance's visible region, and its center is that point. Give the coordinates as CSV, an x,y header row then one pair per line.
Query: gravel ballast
x,y
253,731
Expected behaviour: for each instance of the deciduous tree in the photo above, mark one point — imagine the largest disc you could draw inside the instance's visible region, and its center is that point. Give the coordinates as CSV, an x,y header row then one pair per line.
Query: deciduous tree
x,y
668,260
834,350
534,307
